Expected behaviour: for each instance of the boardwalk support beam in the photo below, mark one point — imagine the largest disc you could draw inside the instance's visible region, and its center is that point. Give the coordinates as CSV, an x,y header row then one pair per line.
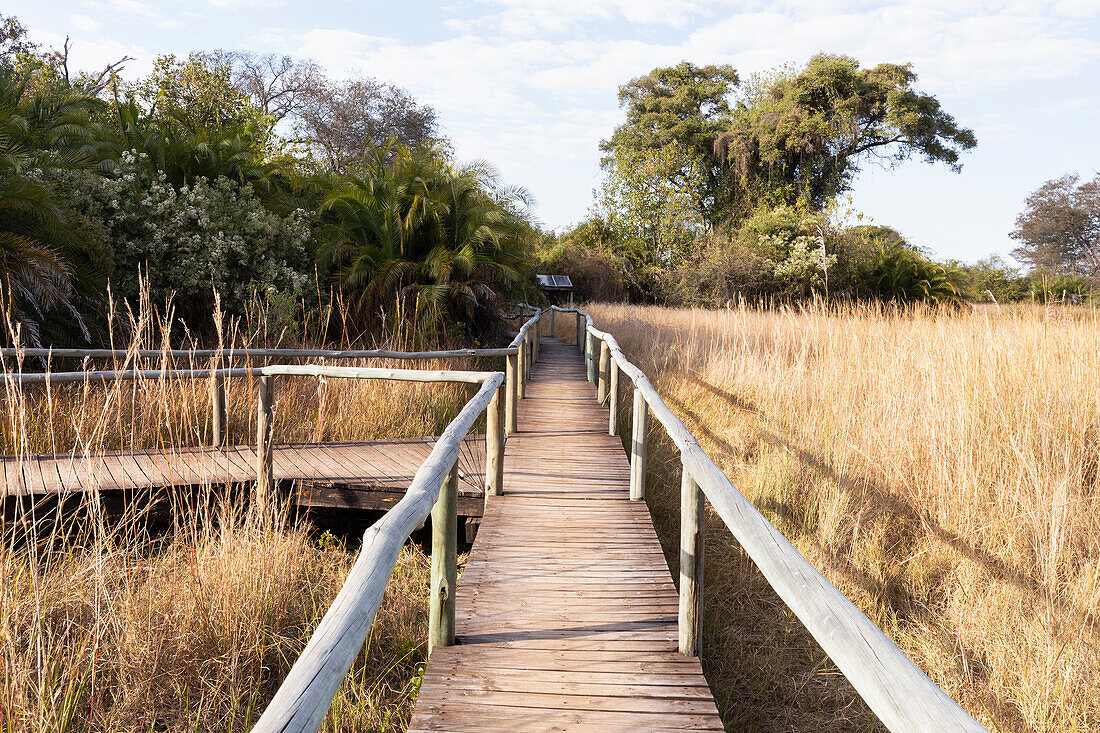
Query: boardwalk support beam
x,y
264,464
219,417
441,615
494,444
511,392
522,369
590,355
638,446
613,395
601,384
691,564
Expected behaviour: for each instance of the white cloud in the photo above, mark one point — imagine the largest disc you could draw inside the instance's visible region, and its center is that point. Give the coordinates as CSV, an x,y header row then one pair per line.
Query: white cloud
x,y
135,8
84,23
94,55
225,5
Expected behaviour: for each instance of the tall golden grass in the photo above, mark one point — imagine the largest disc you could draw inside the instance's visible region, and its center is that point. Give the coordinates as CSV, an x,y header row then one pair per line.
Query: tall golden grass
x,y
107,626
939,467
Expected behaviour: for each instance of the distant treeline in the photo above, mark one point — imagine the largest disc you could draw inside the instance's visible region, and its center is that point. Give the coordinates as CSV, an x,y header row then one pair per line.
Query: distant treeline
x,y
718,190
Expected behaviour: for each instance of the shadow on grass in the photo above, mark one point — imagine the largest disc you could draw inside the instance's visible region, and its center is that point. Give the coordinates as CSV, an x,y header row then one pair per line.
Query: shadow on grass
x,y
906,522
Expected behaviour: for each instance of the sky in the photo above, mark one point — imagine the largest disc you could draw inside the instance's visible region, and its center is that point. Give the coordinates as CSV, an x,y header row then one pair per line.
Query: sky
x,y
531,85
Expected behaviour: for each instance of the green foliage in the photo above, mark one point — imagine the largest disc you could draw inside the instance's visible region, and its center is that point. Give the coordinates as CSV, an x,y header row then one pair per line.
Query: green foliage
x,y
992,278
425,241
1059,228
185,151
42,130
791,245
673,116
198,92
721,270
804,135
880,264
651,195
192,240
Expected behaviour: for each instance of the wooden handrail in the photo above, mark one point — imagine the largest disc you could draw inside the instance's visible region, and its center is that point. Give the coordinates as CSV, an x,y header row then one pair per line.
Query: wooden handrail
x,y
306,694
245,353
899,693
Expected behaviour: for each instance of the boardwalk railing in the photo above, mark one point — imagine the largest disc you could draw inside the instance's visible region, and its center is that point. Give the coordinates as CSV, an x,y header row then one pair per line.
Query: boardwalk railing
x,y
306,694
303,700
494,423
518,357
898,692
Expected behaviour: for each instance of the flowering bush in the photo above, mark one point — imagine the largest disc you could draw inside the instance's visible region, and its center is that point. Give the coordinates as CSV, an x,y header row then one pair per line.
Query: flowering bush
x,y
190,242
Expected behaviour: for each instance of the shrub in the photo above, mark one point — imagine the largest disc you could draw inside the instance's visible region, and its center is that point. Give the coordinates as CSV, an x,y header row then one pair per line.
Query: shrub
x,y
193,241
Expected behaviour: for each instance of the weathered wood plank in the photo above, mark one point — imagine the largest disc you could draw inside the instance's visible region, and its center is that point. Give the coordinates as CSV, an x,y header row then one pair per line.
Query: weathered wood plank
x,y
358,467
566,610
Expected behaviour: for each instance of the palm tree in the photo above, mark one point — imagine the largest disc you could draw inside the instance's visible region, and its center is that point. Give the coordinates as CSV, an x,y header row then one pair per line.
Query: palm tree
x,y
42,129
423,238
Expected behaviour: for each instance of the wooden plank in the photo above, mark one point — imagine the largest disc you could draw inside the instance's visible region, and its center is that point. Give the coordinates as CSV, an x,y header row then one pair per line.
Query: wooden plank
x,y
566,610
388,466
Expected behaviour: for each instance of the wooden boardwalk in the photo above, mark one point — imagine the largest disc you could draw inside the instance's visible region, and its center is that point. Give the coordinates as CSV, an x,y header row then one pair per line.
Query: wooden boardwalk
x,y
566,611
348,475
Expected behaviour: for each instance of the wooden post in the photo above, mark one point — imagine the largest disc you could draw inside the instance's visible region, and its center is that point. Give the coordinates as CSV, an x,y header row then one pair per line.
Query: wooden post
x,y
638,446
441,614
613,394
590,355
220,416
536,340
264,465
601,383
511,392
580,333
691,563
552,312
494,444
522,369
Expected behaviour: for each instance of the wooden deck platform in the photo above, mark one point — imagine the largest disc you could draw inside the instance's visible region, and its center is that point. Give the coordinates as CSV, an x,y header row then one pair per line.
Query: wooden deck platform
x,y
566,610
348,475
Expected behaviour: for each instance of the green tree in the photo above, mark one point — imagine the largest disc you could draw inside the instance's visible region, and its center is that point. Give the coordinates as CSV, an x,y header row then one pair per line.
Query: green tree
x,y
43,130
1059,228
198,92
803,135
416,237
673,116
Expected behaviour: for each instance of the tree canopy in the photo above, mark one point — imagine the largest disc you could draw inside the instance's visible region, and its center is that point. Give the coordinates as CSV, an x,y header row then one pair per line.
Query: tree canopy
x,y
688,159
1059,228
804,135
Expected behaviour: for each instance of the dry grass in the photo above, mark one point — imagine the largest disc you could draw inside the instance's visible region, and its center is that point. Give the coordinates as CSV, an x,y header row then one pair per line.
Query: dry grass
x,y
195,634
939,468
105,626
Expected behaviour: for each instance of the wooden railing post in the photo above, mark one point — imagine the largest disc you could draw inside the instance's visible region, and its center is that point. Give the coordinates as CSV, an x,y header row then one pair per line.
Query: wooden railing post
x,y
522,369
580,333
590,355
638,446
536,340
691,563
511,392
219,418
441,614
552,312
613,394
602,375
264,464
494,444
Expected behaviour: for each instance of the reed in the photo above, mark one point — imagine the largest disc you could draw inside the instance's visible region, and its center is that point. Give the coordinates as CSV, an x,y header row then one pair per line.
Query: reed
x,y
106,624
939,467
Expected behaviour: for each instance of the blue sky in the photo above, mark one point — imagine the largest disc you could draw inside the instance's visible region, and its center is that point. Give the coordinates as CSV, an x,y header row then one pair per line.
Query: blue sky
x,y
531,84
